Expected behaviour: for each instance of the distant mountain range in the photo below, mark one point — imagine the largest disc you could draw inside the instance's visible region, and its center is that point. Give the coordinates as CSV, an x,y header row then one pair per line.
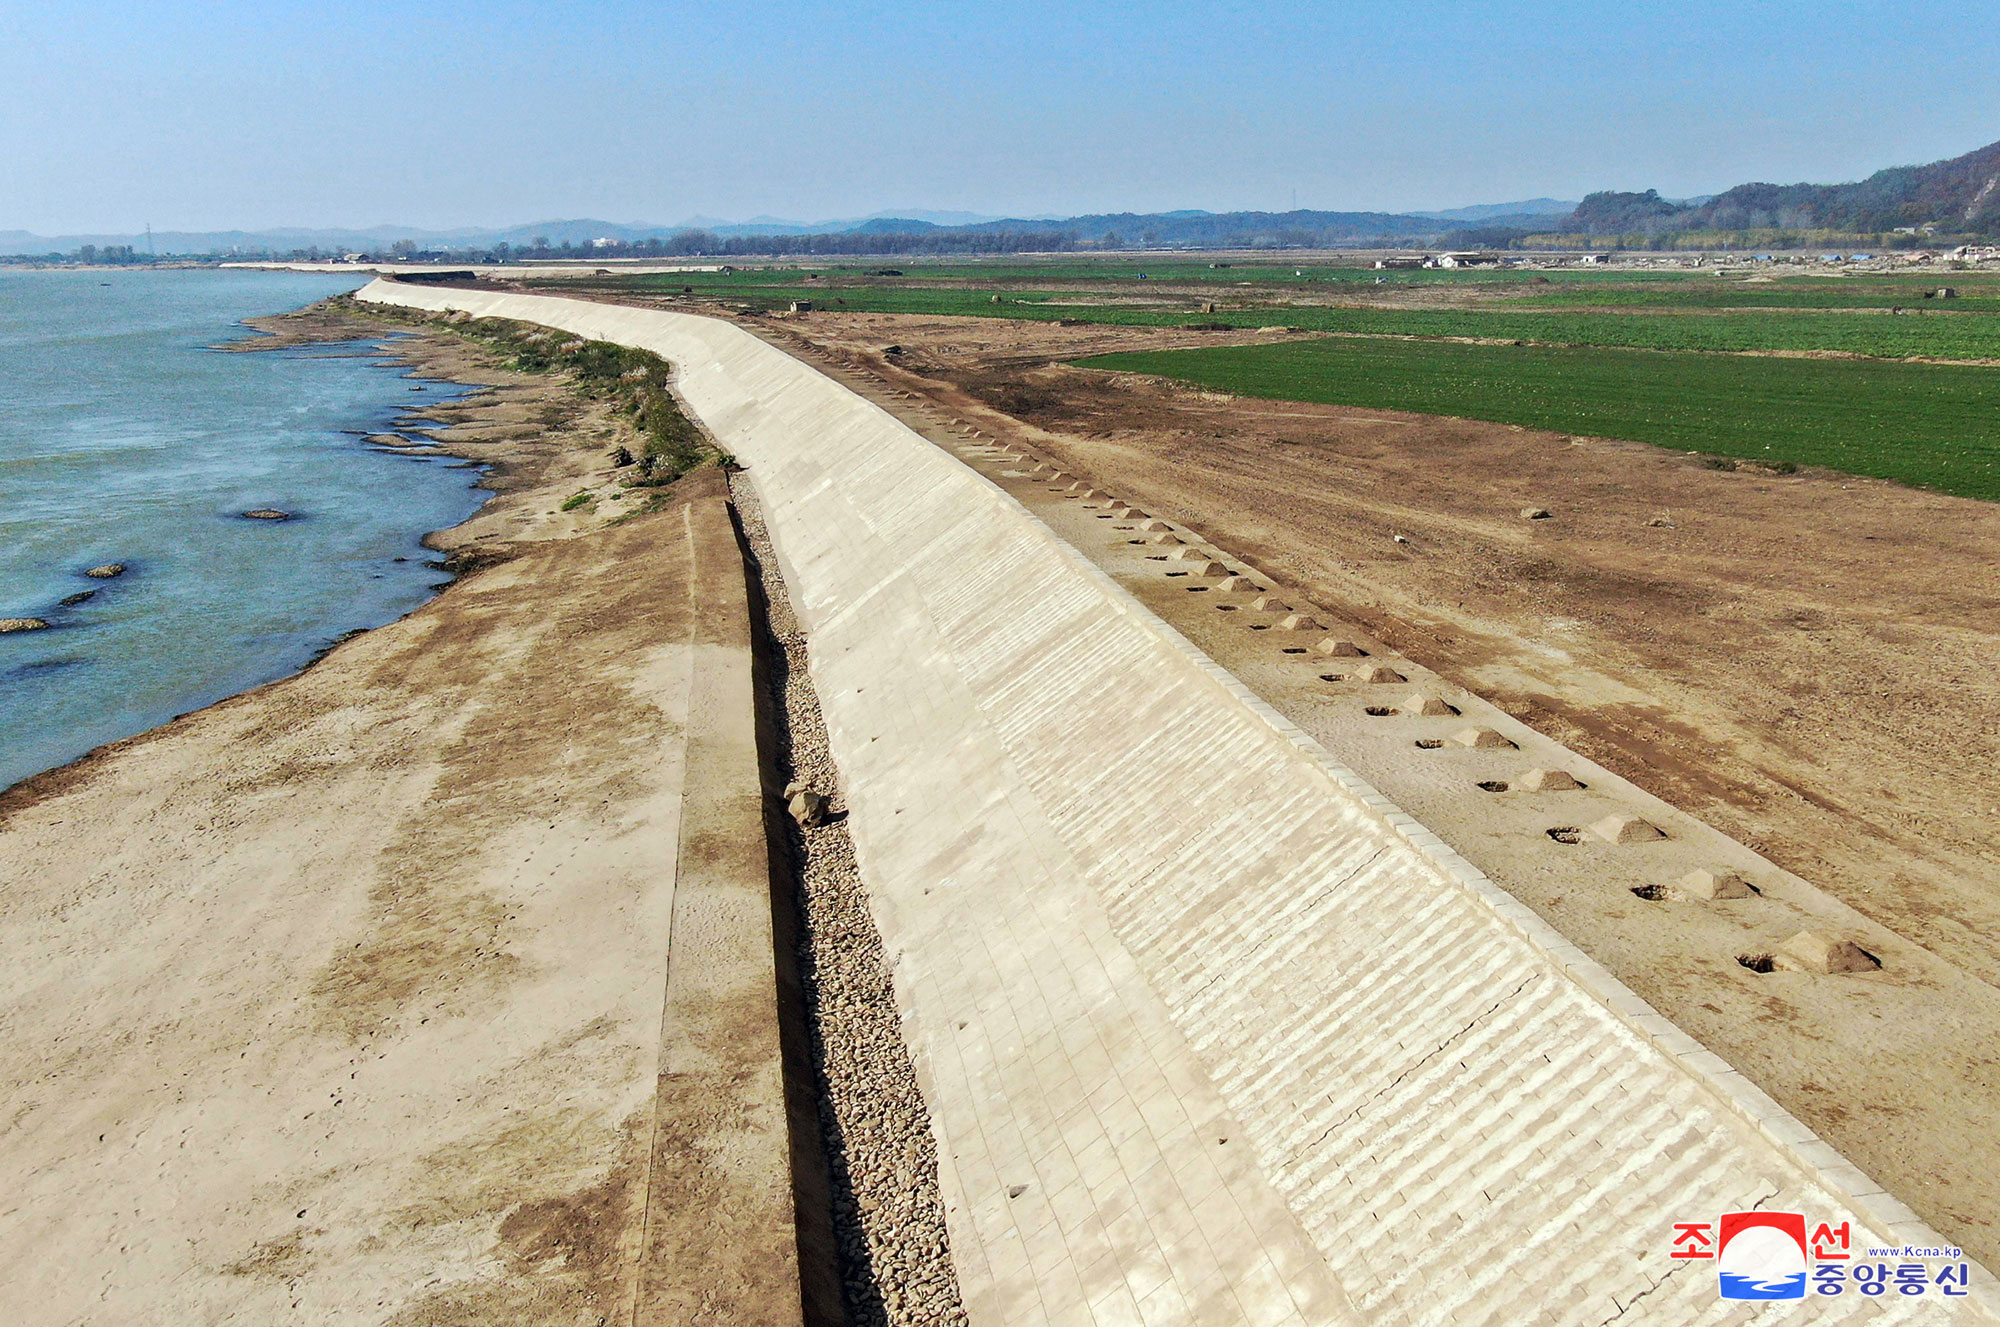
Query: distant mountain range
x,y
1956,197
1960,196
1530,207
1183,228
555,234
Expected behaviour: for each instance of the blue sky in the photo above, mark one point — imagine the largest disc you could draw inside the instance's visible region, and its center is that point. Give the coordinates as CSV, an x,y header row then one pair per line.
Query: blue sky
x,y
254,115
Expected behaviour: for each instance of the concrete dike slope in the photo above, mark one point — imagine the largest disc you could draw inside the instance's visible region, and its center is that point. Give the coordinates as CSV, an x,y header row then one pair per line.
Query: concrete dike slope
x,y
1209,1030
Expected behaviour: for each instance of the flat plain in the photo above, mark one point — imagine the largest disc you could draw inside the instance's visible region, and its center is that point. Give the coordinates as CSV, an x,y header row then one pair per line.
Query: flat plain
x,y
1876,373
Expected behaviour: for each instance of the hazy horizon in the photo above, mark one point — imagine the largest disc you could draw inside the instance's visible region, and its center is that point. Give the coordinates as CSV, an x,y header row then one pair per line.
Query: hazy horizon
x,y
935,216
240,117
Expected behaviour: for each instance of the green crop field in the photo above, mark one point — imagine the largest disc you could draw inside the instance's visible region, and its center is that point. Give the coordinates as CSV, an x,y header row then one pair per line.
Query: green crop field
x,y
1936,426
1240,272
1643,355
1977,296
1672,320
1119,271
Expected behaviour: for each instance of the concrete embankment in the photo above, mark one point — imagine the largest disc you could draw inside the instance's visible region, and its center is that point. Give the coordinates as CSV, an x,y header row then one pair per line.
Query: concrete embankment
x,y
1209,1030
434,985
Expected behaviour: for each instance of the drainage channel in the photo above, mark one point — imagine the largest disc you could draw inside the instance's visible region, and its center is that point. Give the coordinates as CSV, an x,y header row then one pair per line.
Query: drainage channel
x,y
879,1157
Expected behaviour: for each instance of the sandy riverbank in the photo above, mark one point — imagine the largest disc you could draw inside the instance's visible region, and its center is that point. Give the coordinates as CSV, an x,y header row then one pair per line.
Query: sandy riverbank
x,y
341,1001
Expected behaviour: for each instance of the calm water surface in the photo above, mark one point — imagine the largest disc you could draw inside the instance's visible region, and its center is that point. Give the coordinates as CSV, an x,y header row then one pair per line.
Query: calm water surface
x,y
124,439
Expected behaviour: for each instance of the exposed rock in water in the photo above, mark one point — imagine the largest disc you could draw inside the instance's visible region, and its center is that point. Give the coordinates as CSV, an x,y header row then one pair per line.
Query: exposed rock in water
x,y
12,624
107,571
80,597
267,514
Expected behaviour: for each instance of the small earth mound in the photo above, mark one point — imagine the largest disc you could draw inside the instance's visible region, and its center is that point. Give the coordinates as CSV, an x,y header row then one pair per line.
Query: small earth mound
x,y
1824,954
267,514
13,624
106,572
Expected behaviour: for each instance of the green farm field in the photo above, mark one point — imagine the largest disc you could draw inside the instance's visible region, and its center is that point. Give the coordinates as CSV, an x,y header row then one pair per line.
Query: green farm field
x,y
1934,426
1669,312
1910,294
1136,268
1697,360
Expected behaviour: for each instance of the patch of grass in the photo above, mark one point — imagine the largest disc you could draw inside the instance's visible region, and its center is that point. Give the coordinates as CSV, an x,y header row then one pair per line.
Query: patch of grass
x,y
1936,426
635,382
654,502
583,499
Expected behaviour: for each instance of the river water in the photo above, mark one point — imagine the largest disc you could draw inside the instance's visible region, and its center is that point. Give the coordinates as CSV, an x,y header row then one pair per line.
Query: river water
x,y
123,438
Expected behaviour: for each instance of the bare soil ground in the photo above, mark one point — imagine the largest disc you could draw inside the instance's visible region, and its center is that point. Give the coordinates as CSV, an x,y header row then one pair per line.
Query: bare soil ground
x,y
341,1001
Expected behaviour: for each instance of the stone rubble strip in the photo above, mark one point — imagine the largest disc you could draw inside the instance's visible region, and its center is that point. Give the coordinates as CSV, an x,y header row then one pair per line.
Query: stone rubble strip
x,y
1210,1029
889,1222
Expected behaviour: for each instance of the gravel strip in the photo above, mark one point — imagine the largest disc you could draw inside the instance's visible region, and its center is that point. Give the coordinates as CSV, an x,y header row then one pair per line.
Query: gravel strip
x,y
888,1217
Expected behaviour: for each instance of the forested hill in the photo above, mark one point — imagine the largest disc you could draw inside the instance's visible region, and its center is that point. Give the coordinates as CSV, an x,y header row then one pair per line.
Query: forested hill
x,y
1956,197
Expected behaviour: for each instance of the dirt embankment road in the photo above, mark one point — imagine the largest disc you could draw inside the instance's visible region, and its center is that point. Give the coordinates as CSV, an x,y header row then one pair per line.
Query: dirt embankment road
x,y
341,1001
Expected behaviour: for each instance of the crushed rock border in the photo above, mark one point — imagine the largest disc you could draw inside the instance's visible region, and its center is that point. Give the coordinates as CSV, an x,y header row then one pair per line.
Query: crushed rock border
x,y
888,1215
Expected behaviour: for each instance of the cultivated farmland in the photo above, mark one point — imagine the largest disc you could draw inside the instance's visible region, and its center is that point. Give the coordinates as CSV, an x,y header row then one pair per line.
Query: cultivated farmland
x,y
1637,310
1936,426
1787,365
